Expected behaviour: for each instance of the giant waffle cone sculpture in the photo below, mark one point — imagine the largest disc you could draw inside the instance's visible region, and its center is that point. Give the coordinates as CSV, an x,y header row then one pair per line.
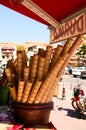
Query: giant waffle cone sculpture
x,y
36,81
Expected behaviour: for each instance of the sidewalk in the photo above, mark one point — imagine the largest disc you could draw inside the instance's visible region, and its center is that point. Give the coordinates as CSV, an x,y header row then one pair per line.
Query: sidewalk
x,y
64,117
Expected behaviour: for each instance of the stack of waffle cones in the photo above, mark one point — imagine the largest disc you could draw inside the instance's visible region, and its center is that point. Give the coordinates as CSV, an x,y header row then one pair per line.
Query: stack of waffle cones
x,y
37,82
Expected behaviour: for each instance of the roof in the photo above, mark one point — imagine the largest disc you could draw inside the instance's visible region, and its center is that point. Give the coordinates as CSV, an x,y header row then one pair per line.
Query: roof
x,y
48,12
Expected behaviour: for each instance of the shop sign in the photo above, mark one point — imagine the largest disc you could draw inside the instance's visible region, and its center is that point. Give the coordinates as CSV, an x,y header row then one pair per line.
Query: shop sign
x,y
69,29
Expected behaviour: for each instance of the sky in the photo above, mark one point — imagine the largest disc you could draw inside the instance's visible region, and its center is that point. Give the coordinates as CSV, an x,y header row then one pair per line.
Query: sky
x,y
15,27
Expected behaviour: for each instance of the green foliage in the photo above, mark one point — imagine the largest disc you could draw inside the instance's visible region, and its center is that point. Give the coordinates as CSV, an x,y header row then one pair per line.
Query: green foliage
x,y
82,51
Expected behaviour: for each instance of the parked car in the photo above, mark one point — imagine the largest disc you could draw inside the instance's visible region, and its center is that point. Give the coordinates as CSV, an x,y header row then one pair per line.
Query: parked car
x,y
76,72
83,74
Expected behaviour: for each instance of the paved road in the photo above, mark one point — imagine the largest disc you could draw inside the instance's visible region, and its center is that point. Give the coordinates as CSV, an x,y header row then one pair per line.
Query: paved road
x,y
64,116
68,82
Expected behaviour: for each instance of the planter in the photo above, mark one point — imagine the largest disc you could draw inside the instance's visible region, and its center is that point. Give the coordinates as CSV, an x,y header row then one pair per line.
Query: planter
x,y
32,114
4,95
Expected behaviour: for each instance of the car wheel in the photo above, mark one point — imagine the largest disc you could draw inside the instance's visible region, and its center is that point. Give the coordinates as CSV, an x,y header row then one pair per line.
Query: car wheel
x,y
74,76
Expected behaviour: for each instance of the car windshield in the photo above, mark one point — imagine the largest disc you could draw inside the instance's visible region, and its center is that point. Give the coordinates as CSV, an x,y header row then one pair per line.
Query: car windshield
x,y
80,68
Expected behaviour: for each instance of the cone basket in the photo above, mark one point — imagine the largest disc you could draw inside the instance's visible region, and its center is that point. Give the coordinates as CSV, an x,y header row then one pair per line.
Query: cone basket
x,y
32,114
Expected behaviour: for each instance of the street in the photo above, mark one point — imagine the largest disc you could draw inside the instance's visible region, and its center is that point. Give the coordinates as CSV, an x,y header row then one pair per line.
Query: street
x,y
69,82
69,79
63,116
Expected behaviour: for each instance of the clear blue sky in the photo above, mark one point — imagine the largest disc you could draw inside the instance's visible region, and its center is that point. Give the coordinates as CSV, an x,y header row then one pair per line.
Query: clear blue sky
x,y
15,27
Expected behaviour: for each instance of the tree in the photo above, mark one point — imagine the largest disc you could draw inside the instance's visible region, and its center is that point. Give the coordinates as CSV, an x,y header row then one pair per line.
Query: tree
x,y
81,52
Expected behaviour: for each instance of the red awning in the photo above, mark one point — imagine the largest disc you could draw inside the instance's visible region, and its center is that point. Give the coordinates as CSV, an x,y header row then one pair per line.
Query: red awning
x,y
57,10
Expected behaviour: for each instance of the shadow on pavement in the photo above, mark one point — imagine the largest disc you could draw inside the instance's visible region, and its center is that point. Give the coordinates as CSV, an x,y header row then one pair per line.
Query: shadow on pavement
x,y
73,114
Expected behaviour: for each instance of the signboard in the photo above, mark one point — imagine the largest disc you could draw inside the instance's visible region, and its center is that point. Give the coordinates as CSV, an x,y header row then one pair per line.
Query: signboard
x,y
69,29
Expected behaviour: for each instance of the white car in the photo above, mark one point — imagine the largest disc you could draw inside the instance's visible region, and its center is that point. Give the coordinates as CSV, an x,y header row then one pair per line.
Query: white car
x,y
76,72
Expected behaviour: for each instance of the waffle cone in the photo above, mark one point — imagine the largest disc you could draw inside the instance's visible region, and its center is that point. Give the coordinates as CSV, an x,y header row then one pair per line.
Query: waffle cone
x,y
67,45
50,95
76,44
49,51
54,71
13,92
34,91
8,74
26,91
56,54
20,90
41,52
19,98
26,73
46,93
